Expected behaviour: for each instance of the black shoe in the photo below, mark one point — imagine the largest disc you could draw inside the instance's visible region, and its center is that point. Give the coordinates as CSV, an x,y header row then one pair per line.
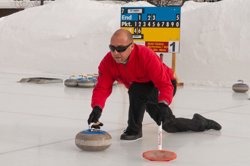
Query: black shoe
x,y
128,136
209,124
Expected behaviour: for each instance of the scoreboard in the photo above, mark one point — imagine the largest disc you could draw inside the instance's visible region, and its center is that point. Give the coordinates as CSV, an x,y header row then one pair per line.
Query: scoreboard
x,y
154,27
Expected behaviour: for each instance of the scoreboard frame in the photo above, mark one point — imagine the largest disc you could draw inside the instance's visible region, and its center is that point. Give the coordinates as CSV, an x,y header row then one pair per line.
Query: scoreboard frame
x,y
155,27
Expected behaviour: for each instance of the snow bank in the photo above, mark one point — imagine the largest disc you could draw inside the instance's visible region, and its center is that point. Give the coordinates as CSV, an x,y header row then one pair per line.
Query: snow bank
x,y
72,36
215,40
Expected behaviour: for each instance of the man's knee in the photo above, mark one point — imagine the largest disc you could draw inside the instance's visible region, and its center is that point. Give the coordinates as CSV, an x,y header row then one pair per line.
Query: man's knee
x,y
169,124
169,129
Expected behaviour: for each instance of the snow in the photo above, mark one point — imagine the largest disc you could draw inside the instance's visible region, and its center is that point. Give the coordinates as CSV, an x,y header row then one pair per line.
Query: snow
x,y
72,36
214,43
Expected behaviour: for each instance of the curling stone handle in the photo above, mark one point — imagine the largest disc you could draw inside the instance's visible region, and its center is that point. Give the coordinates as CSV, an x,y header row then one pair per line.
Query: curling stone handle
x,y
97,123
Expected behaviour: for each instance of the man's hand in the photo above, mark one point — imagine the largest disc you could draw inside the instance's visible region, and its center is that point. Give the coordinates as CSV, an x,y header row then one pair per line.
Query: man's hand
x,y
162,113
95,115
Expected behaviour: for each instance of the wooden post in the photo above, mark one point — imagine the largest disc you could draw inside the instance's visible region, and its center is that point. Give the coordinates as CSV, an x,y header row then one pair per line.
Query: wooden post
x,y
173,62
173,68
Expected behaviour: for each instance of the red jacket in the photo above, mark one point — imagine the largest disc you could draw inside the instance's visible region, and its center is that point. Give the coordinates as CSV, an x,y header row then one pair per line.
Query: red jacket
x,y
144,65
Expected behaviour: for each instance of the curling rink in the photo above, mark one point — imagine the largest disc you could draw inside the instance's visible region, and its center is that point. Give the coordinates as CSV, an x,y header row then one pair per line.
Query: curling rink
x,y
39,122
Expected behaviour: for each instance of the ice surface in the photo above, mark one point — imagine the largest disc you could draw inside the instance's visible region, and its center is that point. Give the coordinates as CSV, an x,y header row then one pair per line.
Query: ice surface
x,y
38,125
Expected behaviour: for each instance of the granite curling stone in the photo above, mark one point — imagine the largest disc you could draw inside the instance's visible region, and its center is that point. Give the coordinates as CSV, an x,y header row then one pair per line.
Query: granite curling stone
x,y
240,87
88,81
71,82
93,140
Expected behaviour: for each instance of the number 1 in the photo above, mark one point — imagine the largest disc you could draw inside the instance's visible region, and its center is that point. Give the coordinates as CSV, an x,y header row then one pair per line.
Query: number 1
x,y
173,45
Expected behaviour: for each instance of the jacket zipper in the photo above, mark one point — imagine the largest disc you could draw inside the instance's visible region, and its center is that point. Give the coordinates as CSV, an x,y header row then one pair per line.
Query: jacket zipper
x,y
126,71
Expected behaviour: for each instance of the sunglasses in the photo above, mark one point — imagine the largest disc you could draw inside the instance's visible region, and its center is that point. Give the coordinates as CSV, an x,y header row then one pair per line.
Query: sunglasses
x,y
119,49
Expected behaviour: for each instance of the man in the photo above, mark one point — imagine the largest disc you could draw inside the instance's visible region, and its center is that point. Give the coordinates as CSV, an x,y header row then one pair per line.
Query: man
x,y
151,86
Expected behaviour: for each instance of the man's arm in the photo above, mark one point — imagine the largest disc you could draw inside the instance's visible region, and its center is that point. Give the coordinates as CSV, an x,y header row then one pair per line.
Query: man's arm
x,y
159,77
104,85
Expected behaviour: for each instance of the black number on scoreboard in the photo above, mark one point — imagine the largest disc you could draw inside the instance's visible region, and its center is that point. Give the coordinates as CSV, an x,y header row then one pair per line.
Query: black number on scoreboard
x,y
173,45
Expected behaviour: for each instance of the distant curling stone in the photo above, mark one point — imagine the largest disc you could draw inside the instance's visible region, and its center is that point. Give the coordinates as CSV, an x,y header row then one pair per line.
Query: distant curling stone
x,y
240,87
71,82
97,140
86,83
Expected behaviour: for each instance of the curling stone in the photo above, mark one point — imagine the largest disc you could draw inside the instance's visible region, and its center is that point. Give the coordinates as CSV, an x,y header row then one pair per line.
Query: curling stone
x,y
88,81
96,140
71,82
240,87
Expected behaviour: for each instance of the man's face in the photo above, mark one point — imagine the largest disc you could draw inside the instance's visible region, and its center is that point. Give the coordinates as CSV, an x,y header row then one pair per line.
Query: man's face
x,y
121,41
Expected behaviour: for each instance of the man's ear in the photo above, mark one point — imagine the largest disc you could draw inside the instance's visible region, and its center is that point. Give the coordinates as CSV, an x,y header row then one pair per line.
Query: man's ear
x,y
132,46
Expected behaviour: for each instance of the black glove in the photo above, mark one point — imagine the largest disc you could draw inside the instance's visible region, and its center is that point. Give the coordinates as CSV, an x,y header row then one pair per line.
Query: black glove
x,y
95,115
163,113
159,112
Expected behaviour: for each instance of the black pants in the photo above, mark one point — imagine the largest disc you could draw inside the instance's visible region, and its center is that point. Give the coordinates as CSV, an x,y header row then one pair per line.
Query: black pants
x,y
144,96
